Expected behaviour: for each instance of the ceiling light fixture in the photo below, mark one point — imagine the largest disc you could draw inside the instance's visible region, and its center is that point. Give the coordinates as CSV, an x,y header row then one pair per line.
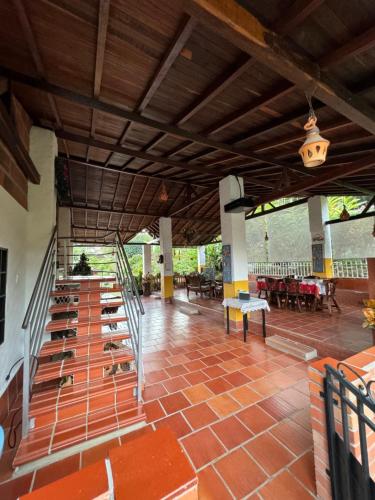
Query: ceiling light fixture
x,y
163,196
314,149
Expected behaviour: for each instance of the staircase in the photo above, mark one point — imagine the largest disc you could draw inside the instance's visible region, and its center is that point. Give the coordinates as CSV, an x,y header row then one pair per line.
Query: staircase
x,y
83,368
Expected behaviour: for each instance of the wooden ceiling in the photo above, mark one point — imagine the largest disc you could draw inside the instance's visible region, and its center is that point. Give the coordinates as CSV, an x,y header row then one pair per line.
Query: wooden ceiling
x,y
146,93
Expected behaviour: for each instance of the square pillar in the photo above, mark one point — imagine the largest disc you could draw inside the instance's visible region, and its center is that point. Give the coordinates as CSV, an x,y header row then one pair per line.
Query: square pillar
x,y
166,267
146,254
233,234
201,257
320,237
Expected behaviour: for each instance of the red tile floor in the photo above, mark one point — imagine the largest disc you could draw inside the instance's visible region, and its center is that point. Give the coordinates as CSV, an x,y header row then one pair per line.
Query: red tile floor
x,y
240,411
339,336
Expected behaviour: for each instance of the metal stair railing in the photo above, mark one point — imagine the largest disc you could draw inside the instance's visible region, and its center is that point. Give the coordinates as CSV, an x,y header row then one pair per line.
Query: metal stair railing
x,y
34,322
133,307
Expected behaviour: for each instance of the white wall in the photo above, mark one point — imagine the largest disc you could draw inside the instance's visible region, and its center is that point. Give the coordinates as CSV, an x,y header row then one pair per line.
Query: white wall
x,y
25,233
13,222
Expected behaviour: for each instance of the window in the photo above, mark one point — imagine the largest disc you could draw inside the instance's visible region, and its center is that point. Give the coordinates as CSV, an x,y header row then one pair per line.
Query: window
x,y
3,280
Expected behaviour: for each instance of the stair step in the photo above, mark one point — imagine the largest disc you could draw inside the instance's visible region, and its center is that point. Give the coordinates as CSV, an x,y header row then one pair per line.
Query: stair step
x,y
74,280
72,292
46,440
291,347
57,325
83,399
80,342
76,306
82,367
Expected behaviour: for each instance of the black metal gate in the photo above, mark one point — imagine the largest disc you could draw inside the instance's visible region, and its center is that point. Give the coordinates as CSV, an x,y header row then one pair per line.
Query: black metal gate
x,y
350,477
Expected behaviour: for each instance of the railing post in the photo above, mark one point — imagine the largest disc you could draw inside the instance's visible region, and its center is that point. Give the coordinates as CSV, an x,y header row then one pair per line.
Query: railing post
x,y
26,383
139,359
65,261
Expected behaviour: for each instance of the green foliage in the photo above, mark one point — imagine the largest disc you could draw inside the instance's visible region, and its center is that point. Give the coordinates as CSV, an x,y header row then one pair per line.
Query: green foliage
x,y
101,258
353,204
213,256
82,267
185,260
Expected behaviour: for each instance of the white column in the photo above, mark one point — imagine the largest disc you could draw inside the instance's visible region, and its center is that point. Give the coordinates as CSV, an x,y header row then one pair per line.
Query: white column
x,y
146,253
166,268
41,202
233,234
201,257
64,232
320,236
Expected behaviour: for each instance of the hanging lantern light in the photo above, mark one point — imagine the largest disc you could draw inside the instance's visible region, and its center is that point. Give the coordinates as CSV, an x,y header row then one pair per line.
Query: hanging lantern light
x,y
345,215
314,149
163,196
266,238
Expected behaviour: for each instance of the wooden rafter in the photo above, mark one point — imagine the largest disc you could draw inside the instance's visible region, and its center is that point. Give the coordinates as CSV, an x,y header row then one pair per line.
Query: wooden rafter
x,y
103,18
132,213
165,64
244,30
37,59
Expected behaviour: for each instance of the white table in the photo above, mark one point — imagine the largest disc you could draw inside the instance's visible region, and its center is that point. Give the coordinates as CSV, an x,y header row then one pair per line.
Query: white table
x,y
246,306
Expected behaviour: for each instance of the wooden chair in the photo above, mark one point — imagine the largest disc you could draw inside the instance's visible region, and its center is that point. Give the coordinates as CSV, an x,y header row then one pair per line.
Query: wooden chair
x,y
331,301
196,283
275,290
293,295
218,289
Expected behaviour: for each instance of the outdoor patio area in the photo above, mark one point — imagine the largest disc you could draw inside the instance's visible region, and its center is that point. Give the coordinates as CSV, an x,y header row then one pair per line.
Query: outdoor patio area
x,y
338,335
240,411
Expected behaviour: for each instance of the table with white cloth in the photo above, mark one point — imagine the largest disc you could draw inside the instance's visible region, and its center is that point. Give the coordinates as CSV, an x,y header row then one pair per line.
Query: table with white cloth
x,y
246,306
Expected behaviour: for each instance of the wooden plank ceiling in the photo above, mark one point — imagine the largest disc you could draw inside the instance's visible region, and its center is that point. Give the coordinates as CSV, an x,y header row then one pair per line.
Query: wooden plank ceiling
x,y
147,95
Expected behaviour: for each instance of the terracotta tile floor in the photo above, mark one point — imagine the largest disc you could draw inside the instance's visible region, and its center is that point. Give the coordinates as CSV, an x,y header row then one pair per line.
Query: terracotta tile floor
x,y
240,411
339,336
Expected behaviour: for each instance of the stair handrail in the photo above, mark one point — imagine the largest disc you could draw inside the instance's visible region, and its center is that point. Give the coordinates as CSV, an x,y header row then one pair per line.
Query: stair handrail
x,y
130,274
29,309
34,321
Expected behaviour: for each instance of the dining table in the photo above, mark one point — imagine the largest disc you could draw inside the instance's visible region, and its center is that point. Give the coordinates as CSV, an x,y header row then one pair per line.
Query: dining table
x,y
247,306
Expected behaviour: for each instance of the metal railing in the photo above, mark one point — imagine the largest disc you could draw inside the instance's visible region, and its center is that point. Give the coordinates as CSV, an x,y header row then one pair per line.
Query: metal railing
x,y
133,308
350,268
300,268
33,324
342,268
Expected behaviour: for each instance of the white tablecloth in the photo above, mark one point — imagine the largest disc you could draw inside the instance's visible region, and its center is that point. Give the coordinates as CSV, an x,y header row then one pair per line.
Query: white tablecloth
x,y
247,305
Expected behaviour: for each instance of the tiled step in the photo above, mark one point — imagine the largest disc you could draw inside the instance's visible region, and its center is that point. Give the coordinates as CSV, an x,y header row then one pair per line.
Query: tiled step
x,y
57,325
72,292
83,368
291,347
83,344
46,440
89,305
81,399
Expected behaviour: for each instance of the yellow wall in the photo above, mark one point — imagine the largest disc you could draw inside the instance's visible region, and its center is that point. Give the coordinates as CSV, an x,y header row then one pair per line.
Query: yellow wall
x,y
167,287
328,269
231,291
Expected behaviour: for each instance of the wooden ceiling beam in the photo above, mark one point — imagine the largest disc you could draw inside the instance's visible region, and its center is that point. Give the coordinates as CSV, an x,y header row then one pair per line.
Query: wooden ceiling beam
x,y
184,32
133,213
328,176
361,43
244,30
36,57
103,19
133,173
295,15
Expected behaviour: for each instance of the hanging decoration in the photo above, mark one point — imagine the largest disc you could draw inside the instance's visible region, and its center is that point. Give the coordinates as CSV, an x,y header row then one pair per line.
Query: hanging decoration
x,y
314,149
163,196
345,215
266,238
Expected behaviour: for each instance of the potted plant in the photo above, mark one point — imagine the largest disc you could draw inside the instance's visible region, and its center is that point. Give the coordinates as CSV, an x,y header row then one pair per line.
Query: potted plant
x,y
369,313
146,284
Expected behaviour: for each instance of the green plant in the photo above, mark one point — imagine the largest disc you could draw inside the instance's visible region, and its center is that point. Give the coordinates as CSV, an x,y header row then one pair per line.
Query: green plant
x,y
82,267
